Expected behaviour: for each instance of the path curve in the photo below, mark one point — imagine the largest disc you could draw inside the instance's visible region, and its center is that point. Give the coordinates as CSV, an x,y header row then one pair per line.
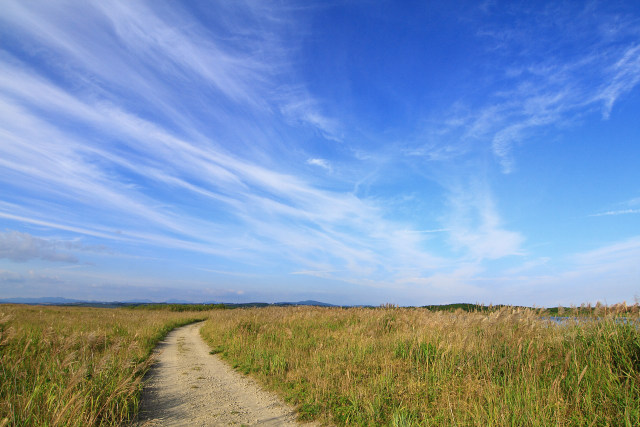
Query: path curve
x,y
187,386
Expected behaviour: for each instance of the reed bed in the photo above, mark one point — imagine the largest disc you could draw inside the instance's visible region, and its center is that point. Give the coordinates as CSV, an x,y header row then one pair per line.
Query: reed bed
x,y
402,366
76,366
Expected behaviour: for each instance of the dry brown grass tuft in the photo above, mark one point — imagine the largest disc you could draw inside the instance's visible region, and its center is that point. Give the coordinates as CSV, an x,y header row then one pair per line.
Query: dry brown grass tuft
x,y
76,366
396,366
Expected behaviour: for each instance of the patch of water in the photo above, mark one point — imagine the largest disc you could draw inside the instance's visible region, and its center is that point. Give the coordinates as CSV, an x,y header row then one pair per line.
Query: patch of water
x,y
564,320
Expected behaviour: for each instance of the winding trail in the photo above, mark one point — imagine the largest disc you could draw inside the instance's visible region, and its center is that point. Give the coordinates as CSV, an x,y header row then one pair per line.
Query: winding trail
x,y
187,386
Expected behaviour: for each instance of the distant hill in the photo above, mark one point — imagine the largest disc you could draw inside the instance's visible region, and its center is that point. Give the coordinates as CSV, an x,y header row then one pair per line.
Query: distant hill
x,y
85,303
185,304
43,300
307,302
180,301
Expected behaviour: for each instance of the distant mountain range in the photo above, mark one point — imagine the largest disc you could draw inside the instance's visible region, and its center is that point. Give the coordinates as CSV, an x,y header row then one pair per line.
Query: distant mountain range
x,y
114,304
70,301
43,300
307,302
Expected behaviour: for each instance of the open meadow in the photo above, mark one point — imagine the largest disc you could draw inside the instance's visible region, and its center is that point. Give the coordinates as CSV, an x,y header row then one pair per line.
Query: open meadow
x,y
406,366
344,366
77,366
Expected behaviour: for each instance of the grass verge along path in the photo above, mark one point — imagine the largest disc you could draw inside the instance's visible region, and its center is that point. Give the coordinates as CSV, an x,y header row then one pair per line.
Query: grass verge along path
x,y
77,366
395,366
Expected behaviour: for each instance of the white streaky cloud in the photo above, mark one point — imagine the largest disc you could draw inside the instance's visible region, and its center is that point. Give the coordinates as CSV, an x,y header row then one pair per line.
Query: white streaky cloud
x,y
501,146
141,135
136,237
596,272
624,76
54,225
146,133
308,197
298,106
70,164
609,256
553,92
597,275
61,168
182,48
618,212
142,37
323,163
308,226
475,226
158,45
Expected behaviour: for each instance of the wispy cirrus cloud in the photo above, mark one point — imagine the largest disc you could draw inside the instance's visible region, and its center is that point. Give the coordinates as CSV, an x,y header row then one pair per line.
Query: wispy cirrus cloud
x,y
625,208
546,87
298,106
121,166
617,212
548,83
624,76
476,225
323,163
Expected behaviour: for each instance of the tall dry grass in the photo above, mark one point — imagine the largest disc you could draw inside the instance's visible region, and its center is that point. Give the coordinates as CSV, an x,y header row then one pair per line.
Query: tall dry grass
x,y
76,366
394,366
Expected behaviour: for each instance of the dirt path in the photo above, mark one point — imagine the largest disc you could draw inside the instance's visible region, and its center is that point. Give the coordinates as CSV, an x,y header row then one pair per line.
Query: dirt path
x,y
187,386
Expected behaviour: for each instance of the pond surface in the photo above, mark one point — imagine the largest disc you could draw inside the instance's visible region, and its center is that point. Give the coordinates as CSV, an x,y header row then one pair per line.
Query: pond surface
x,y
563,320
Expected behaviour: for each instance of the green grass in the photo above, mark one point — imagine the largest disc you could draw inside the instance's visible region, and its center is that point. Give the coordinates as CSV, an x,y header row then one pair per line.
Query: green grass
x,y
77,366
394,366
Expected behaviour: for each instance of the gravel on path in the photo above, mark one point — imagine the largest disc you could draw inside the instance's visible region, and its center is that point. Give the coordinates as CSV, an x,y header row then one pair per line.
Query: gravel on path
x,y
188,386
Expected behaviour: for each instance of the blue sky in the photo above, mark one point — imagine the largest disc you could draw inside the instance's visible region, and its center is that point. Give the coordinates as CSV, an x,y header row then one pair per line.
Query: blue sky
x,y
350,152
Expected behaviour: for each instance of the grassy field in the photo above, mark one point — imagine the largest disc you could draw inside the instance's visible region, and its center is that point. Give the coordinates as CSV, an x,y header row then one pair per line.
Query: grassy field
x,y
400,367
76,366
